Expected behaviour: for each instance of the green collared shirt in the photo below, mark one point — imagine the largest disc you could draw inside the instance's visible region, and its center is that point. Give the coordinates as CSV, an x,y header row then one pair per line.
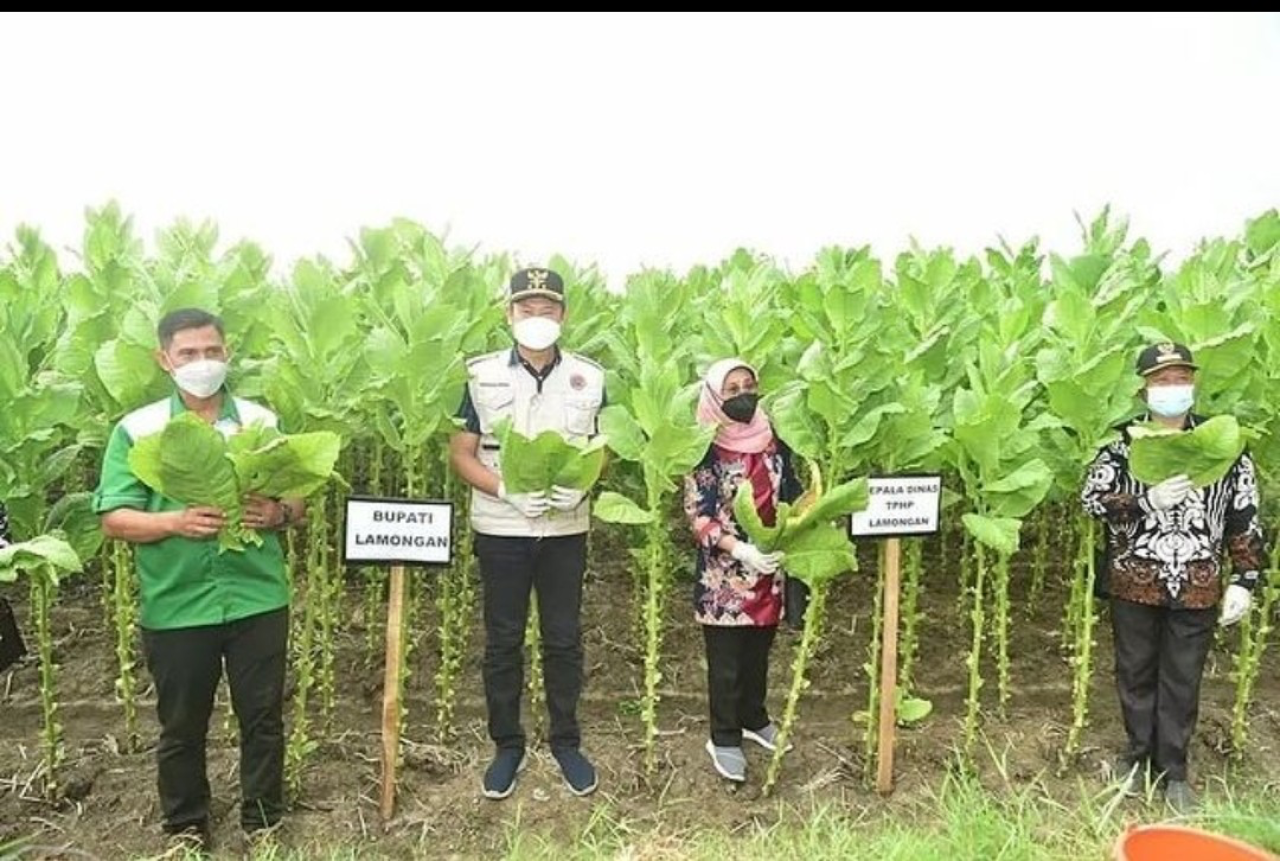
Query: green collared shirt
x,y
186,582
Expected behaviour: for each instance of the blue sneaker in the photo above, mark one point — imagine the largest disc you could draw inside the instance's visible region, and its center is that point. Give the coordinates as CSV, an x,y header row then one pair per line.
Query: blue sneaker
x,y
579,774
500,776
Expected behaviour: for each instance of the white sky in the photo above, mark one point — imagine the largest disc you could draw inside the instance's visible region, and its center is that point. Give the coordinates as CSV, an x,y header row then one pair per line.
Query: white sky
x,y
629,140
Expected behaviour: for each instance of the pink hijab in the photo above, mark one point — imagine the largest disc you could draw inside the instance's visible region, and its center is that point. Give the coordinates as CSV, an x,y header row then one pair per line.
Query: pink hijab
x,y
751,438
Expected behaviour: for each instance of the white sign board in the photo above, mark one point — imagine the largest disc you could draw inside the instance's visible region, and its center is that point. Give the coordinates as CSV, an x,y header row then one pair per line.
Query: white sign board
x,y
900,505
401,531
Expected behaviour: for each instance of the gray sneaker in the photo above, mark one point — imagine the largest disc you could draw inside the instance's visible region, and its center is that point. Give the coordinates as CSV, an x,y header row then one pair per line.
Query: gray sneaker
x,y
729,762
766,737
1180,797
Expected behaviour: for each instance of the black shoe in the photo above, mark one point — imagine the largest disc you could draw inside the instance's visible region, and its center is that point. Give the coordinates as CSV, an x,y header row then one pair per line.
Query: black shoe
x,y
579,773
189,841
262,841
1180,797
1129,773
500,776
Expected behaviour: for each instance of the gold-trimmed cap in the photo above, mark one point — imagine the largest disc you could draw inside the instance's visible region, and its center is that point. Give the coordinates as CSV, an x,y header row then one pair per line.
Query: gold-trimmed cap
x,y
531,282
1166,354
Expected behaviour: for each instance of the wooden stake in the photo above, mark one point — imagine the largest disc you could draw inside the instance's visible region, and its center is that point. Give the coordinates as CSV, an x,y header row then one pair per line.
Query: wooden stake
x,y
889,668
391,693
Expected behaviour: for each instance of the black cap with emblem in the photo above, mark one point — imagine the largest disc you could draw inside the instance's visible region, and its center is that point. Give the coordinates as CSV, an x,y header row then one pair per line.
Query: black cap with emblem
x,y
1164,355
528,283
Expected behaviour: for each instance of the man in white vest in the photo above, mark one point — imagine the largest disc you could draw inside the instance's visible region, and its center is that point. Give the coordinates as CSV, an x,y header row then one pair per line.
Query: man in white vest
x,y
532,541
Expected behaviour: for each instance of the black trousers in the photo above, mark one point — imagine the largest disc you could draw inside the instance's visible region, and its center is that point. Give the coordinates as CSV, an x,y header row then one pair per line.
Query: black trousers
x,y
737,680
11,646
187,664
512,568
1160,655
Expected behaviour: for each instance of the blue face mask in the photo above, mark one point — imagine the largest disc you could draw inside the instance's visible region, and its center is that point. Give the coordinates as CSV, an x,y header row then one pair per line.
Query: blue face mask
x,y
1171,401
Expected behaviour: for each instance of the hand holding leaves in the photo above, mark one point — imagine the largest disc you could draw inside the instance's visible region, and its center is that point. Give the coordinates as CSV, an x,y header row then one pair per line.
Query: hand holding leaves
x,y
191,462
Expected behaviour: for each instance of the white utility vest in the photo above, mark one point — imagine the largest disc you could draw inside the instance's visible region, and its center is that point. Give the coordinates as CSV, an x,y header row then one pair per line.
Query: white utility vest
x,y
568,404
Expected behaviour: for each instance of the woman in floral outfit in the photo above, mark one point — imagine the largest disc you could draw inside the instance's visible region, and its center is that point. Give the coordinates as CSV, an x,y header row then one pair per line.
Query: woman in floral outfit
x,y
738,597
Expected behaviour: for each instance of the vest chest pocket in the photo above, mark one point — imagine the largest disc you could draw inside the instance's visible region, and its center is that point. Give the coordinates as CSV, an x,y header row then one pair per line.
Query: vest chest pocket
x,y
492,403
580,416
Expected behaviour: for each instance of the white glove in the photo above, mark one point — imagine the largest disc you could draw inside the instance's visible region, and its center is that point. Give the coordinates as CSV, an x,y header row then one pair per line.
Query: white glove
x,y
756,560
566,498
1235,603
528,504
1169,493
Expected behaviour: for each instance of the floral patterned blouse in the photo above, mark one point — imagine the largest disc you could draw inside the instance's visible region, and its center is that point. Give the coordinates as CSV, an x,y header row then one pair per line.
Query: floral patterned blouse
x,y
725,592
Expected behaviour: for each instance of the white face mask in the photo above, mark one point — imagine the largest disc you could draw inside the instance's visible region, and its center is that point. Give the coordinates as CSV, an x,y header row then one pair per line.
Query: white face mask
x,y
201,378
1171,401
536,333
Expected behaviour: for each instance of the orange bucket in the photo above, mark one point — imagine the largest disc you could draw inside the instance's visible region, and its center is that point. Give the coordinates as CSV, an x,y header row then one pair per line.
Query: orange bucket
x,y
1179,843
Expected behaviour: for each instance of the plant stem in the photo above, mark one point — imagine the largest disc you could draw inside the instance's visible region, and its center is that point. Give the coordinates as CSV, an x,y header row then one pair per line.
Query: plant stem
x,y
1082,660
911,613
1253,645
813,620
42,592
974,661
656,577
1002,629
126,614
871,734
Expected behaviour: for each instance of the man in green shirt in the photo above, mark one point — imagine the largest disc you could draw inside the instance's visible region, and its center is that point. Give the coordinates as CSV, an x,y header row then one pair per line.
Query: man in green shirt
x,y
202,609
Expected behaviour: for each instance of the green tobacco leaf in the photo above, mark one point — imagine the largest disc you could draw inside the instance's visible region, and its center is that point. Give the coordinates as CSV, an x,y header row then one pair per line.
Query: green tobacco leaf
x,y
1263,233
839,501
1205,453
615,508
187,461
818,554
531,465
867,426
816,551
624,434
288,465
128,371
998,533
251,437
748,518
72,517
50,553
912,710
583,470
1017,493
675,450
55,465
795,424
